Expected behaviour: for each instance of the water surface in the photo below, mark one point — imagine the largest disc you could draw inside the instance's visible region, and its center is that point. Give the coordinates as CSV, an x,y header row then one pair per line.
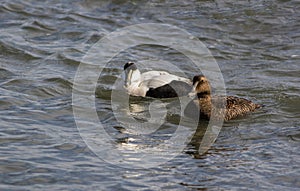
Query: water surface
x,y
255,43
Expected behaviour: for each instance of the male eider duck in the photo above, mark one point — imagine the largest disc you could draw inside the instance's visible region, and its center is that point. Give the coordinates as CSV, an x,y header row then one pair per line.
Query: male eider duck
x,y
156,84
228,107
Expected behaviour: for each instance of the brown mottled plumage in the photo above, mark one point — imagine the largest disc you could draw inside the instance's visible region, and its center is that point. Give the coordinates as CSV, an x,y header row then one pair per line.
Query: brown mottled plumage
x,y
228,107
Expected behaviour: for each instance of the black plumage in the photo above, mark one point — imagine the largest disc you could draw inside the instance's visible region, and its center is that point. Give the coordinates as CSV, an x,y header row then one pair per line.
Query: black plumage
x,y
173,89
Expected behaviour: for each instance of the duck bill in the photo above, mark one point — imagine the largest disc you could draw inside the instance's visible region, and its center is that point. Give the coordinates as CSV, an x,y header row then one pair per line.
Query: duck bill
x,y
128,76
193,93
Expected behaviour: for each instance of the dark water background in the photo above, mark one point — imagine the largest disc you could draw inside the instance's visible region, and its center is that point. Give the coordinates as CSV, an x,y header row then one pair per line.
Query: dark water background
x,y
256,44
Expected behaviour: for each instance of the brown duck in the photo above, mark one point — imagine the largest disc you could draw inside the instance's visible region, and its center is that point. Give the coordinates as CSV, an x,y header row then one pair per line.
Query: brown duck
x,y
226,108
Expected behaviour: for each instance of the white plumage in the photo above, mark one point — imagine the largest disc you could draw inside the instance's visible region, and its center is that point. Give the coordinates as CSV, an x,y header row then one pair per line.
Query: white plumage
x,y
158,84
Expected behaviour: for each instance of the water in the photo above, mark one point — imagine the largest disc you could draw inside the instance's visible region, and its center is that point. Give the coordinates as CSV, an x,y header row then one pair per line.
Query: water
x,y
255,43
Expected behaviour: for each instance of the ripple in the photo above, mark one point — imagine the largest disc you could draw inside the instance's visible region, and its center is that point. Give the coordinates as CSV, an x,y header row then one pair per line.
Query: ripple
x,y
13,50
42,44
5,75
37,26
13,167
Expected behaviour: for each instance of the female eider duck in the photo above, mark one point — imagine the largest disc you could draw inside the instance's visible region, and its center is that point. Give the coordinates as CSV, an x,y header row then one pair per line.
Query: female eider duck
x,y
156,84
228,107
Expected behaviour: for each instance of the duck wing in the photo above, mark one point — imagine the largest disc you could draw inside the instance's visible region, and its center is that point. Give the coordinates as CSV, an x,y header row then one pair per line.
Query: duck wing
x,y
233,106
155,79
152,74
236,107
243,104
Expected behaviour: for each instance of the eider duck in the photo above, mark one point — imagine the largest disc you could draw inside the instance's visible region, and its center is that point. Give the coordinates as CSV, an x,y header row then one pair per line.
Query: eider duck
x,y
226,108
156,84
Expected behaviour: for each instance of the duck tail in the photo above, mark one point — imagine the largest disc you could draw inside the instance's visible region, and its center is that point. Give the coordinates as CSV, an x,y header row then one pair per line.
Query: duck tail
x,y
258,106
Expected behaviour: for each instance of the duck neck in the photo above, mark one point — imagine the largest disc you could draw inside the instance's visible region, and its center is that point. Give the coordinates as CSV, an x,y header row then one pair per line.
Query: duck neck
x,y
205,94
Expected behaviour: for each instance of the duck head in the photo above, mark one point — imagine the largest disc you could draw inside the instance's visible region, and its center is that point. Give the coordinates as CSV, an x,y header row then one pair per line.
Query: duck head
x,y
201,86
132,74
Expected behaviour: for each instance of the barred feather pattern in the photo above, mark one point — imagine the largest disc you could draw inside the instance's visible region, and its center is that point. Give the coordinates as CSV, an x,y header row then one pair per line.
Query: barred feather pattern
x,y
226,108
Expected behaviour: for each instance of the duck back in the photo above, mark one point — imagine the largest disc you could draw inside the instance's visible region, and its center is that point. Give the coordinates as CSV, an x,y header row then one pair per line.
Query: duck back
x,y
236,107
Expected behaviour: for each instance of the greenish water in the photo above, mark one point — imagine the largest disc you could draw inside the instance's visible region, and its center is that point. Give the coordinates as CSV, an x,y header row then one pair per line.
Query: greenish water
x,y
255,43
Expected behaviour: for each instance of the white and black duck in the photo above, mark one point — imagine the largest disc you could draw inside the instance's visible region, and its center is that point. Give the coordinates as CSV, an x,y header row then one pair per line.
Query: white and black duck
x,y
156,84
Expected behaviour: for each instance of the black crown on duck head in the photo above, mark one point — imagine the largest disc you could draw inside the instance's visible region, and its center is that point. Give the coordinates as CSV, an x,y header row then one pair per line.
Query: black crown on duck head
x,y
130,65
199,78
